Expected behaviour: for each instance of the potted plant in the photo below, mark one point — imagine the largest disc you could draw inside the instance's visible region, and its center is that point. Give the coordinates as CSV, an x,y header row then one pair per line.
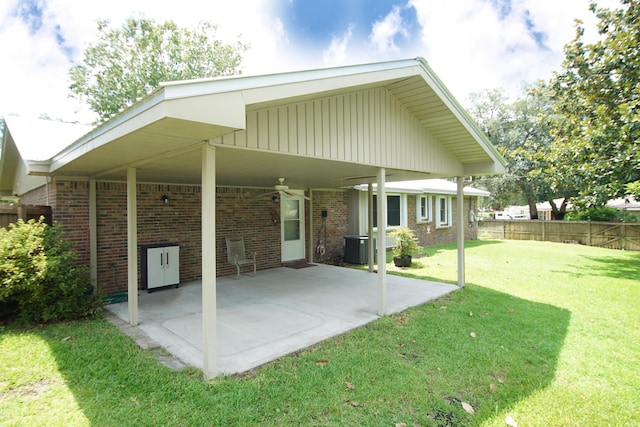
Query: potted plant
x,y
406,246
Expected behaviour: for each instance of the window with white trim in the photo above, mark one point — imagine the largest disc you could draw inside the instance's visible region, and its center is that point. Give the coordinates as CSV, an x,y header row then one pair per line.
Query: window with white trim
x,y
394,211
423,208
443,212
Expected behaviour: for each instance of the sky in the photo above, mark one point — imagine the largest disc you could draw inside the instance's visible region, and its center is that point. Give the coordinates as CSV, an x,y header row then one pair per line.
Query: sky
x,y
472,45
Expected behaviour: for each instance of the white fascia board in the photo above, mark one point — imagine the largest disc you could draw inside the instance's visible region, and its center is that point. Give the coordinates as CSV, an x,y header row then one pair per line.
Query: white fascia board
x,y
272,87
221,109
427,186
230,113
454,106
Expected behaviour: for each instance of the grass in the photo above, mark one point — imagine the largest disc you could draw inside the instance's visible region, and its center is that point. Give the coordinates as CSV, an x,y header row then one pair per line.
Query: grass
x,y
557,343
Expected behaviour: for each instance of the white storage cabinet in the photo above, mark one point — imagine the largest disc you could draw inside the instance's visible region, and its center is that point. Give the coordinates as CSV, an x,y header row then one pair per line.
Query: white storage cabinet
x,y
160,266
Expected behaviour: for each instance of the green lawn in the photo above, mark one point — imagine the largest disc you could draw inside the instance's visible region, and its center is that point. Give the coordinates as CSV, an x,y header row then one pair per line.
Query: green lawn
x,y
547,334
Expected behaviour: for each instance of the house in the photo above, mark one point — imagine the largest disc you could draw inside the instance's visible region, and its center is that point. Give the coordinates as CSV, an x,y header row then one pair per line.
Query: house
x,y
200,160
426,206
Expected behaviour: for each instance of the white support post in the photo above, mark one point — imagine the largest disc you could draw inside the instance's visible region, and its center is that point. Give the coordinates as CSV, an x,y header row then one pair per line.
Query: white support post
x,y
372,249
381,202
209,309
132,246
93,236
461,217
312,248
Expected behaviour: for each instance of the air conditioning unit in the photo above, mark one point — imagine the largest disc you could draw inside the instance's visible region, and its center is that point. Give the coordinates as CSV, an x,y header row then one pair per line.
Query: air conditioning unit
x,y
356,249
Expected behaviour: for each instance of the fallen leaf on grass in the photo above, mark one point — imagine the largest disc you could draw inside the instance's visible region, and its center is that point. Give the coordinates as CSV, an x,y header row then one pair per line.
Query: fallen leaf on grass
x,y
135,401
467,407
443,307
322,362
352,403
473,334
401,425
471,314
510,421
349,385
66,338
492,388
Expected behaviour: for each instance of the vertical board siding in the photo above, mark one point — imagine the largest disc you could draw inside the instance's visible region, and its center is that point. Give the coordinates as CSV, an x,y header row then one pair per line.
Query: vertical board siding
x,y
368,127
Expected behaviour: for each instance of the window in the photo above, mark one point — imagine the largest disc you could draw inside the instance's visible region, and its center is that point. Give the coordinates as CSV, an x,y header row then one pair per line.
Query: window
x,y
443,211
423,209
394,211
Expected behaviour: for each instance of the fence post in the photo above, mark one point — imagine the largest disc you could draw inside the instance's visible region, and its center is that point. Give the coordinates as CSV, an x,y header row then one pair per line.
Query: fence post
x,y
503,229
22,212
589,233
544,237
622,236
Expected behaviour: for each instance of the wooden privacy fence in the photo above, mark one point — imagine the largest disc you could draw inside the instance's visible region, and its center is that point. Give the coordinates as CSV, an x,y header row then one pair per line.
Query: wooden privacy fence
x,y
10,214
612,235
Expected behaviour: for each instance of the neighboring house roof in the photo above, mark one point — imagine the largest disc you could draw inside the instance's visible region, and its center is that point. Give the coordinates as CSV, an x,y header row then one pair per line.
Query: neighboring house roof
x,y
32,140
625,204
160,135
428,186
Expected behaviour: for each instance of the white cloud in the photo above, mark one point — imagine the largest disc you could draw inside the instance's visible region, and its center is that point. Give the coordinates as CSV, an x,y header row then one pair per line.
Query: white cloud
x,y
383,32
472,46
336,53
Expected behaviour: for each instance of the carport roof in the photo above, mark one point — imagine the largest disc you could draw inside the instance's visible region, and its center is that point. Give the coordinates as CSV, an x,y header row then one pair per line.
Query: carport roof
x,y
160,134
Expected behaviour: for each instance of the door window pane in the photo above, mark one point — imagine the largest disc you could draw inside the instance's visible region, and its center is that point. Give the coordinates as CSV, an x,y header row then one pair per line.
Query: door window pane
x,y
291,214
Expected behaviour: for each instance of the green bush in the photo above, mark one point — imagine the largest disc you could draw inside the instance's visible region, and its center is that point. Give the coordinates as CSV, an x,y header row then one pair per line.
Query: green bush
x,y
602,213
40,280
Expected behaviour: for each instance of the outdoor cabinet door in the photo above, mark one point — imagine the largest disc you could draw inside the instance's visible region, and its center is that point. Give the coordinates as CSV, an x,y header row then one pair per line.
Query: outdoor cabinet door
x,y
155,267
172,265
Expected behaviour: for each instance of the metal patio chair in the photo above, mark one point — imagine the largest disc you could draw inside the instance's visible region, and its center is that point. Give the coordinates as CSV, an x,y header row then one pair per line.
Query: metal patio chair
x,y
236,254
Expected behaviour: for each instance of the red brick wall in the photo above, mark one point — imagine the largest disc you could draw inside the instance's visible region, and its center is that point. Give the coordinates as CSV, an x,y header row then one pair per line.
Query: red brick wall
x,y
239,212
335,224
440,235
36,197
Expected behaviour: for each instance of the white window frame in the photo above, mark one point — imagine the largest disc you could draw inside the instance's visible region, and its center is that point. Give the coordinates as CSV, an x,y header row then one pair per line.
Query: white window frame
x,y
427,198
447,221
403,210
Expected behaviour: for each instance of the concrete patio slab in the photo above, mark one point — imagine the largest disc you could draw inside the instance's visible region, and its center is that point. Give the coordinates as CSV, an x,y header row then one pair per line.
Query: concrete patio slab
x,y
278,312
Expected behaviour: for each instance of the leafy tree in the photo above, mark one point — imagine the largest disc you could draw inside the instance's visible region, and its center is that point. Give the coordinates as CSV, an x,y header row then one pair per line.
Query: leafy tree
x,y
520,131
128,63
597,117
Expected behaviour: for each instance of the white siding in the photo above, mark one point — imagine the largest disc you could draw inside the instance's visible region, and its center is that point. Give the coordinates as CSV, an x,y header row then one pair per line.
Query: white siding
x,y
367,127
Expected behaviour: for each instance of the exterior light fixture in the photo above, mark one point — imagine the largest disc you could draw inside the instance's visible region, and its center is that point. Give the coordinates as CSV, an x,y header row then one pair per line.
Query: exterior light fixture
x,y
165,199
275,199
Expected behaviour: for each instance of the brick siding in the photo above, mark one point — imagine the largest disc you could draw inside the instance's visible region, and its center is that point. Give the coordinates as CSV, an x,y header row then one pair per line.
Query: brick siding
x,y
245,212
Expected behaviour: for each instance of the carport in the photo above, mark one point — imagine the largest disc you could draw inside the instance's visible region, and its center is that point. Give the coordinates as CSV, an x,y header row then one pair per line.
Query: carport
x,y
326,128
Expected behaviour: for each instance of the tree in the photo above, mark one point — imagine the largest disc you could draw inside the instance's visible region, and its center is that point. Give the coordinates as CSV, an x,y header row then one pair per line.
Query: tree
x,y
596,124
520,131
130,62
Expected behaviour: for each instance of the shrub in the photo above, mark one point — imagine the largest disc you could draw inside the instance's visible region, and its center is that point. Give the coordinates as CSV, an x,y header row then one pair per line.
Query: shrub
x,y
602,213
39,278
406,242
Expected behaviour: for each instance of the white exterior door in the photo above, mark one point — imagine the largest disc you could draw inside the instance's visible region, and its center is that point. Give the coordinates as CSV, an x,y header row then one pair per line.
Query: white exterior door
x,y
292,228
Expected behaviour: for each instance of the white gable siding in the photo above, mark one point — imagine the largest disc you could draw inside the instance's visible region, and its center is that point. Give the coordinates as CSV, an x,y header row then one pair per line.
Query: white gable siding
x,y
367,127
